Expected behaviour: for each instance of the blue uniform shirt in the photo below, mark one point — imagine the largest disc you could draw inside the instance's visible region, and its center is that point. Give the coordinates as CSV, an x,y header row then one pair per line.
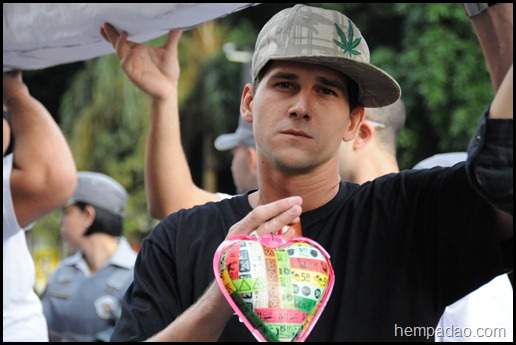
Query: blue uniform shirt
x,y
80,306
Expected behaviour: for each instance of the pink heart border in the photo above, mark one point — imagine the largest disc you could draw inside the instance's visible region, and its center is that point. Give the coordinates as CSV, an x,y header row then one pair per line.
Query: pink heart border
x,y
271,241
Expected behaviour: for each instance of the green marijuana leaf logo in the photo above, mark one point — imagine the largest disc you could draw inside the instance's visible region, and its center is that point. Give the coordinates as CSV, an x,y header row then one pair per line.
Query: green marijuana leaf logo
x,y
346,45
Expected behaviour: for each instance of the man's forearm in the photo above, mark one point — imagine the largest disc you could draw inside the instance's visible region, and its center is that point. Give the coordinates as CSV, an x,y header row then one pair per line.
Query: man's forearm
x,y
203,321
168,179
502,106
494,29
163,141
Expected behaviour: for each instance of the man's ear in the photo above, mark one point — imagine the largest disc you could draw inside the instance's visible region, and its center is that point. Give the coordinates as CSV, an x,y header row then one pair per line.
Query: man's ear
x,y
246,101
356,117
364,136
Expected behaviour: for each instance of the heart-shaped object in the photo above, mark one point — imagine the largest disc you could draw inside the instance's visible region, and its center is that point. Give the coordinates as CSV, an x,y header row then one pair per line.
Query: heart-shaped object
x,y
277,287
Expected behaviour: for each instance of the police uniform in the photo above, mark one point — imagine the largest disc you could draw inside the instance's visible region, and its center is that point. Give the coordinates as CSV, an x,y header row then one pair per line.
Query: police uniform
x,y
81,306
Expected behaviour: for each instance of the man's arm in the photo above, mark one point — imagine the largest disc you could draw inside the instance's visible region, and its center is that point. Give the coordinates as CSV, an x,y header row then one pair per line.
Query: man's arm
x,y
493,24
490,157
501,108
155,70
44,174
168,180
494,29
205,320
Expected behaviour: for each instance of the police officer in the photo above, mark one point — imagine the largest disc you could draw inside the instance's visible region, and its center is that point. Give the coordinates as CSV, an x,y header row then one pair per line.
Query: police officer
x,y
82,298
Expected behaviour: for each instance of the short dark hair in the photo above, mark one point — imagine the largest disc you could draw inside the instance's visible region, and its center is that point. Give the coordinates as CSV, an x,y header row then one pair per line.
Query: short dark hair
x,y
393,118
105,221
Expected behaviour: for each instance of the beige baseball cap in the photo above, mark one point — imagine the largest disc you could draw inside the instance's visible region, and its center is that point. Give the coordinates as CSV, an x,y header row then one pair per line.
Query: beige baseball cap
x,y
324,37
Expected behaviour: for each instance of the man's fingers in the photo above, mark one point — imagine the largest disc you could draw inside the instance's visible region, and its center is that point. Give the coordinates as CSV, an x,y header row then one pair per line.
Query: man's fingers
x,y
118,40
109,33
270,217
173,39
122,45
275,224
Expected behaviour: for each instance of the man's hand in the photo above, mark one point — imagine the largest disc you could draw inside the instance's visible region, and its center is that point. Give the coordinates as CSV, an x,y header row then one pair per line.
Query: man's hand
x,y
153,69
270,218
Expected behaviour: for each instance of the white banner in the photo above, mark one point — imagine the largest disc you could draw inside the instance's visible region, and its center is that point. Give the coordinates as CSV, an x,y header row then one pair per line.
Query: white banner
x,y
38,36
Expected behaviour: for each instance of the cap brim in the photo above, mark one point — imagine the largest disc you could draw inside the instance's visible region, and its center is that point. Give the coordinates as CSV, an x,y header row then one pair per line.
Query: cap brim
x,y
376,87
226,142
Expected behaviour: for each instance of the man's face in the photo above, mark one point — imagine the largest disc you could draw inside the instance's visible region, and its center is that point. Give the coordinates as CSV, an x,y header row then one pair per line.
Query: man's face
x,y
301,114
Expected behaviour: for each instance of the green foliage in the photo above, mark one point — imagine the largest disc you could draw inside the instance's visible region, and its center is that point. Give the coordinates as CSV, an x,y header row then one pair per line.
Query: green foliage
x,y
213,109
243,36
444,79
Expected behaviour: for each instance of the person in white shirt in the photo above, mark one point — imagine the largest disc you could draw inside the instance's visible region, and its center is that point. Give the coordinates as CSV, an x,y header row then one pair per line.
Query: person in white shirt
x,y
39,175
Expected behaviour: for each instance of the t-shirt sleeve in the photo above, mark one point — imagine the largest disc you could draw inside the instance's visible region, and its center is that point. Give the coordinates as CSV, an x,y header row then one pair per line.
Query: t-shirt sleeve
x,y
148,305
490,162
451,233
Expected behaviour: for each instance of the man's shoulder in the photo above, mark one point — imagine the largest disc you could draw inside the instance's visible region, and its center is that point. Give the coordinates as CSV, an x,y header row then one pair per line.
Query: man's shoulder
x,y
211,214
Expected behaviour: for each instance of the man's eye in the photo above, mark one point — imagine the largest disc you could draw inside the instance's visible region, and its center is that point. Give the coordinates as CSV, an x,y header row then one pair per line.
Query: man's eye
x,y
327,91
284,85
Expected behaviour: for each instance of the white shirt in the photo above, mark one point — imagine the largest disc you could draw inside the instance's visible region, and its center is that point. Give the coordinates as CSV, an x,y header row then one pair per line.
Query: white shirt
x,y
23,314
485,315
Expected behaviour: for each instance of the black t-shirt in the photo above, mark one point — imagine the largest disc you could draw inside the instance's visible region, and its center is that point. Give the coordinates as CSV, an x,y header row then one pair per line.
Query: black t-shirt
x,y
402,248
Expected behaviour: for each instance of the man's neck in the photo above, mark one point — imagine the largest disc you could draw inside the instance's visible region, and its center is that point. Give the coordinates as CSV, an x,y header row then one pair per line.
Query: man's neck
x,y
315,188
373,167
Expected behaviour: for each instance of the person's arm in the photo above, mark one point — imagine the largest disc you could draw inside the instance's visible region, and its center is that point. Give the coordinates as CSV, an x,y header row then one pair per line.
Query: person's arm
x,y
155,70
168,180
493,26
490,157
44,174
501,108
205,320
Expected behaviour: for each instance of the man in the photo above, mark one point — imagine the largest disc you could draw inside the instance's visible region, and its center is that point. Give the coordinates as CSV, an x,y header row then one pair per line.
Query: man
x,y
168,180
39,176
373,151
242,145
311,80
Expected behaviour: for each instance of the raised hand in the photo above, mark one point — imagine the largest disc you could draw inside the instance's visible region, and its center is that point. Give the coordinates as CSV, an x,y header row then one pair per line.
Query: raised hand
x,y
155,70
